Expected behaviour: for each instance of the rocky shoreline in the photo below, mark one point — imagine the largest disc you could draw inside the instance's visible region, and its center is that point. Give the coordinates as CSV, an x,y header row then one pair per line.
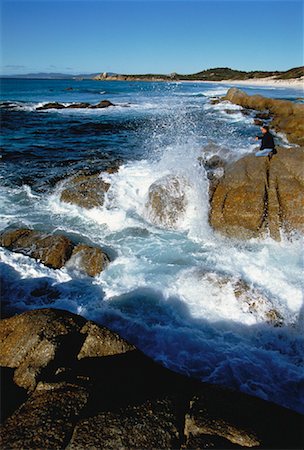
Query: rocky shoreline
x,y
70,383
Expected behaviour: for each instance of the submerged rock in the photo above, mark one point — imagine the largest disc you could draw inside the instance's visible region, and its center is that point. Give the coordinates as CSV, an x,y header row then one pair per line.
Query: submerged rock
x,y
87,191
55,251
51,249
255,195
250,299
94,390
92,260
287,115
167,201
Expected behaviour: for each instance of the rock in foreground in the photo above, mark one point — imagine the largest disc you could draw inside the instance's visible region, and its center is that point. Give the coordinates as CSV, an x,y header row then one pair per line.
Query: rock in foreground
x,y
256,196
92,389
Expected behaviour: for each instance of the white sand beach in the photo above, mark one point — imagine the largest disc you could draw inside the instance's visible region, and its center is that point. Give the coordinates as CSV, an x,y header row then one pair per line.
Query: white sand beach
x,y
297,83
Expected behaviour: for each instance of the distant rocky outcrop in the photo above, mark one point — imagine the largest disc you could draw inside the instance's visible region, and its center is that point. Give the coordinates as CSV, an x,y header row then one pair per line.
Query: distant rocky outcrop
x,y
86,387
55,250
257,196
287,116
83,105
85,190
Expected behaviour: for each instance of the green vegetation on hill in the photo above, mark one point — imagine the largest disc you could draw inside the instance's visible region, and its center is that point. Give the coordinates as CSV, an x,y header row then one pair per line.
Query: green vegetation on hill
x,y
215,74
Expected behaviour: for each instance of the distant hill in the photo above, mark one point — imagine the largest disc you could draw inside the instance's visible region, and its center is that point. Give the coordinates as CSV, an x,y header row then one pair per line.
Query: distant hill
x,y
215,74
225,73
52,76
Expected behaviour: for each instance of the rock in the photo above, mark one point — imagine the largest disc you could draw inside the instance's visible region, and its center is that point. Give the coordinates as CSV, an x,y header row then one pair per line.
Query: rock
x,y
33,340
214,414
50,105
167,201
47,419
151,424
92,260
79,105
263,115
55,251
255,196
215,101
34,344
100,341
215,162
97,391
287,115
258,122
87,191
51,249
56,105
103,104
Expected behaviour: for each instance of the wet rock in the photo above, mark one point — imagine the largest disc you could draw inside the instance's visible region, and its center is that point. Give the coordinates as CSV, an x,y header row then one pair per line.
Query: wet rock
x,y
250,299
258,122
79,105
103,104
56,105
255,196
50,105
287,116
91,260
215,101
167,201
87,191
215,162
51,249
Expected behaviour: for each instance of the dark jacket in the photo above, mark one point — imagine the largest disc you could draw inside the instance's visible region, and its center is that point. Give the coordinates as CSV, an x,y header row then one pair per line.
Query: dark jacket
x,y
267,141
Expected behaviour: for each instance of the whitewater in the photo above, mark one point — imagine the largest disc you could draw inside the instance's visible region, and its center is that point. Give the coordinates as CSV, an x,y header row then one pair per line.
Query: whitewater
x,y
193,300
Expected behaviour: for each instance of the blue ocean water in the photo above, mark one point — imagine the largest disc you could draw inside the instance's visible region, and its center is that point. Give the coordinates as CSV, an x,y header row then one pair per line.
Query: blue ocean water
x,y
169,290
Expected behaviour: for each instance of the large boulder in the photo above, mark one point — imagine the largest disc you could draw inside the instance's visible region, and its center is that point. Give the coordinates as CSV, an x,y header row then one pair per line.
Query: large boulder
x,y
167,201
255,195
287,116
51,249
87,191
89,388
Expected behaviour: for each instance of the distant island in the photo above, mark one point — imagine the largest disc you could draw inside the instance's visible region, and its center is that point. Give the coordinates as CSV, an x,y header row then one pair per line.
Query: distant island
x,y
212,75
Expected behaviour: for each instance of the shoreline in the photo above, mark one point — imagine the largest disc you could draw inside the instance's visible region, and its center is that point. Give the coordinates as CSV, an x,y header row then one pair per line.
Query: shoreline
x,y
293,83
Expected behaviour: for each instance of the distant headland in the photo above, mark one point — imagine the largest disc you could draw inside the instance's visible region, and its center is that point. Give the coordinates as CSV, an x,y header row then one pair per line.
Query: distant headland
x,y
219,74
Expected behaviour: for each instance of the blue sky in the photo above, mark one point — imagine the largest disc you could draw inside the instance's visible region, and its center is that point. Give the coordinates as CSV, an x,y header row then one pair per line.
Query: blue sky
x,y
150,36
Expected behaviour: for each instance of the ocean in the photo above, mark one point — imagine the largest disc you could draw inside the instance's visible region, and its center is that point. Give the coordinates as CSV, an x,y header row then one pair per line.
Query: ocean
x,y
168,290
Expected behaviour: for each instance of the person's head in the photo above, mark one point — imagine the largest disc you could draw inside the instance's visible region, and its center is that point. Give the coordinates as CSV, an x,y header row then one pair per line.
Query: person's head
x,y
265,129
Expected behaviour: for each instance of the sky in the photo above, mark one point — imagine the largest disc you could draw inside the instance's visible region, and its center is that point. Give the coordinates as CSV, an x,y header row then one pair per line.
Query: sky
x,y
149,36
